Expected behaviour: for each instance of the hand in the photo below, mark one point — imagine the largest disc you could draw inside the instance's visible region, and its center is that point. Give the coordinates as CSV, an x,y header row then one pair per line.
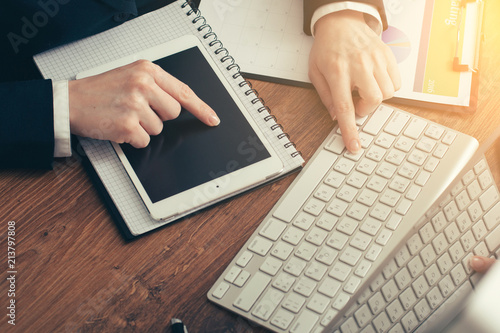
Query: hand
x,y
481,264
348,55
130,103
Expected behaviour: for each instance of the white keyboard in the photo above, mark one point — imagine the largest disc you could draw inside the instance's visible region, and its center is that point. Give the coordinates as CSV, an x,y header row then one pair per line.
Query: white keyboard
x,y
341,220
431,272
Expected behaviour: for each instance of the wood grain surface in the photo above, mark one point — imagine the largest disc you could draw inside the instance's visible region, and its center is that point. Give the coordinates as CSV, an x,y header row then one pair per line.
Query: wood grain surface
x,y
75,273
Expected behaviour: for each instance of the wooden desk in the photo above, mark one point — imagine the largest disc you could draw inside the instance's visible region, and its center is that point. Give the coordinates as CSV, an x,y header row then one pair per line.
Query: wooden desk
x,y
75,272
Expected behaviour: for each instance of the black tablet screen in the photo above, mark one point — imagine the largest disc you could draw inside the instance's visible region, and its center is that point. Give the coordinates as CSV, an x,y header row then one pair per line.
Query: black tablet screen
x,y
189,153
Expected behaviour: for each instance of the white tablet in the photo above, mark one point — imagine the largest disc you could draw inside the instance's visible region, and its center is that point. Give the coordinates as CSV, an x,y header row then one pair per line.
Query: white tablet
x,y
191,165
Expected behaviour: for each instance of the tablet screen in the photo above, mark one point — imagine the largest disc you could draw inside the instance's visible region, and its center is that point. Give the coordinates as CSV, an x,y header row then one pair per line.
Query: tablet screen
x,y
189,153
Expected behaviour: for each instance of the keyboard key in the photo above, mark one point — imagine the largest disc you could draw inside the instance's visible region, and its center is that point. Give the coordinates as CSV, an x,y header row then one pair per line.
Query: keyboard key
x,y
340,271
420,286
479,230
269,302
334,179
440,243
344,166
294,302
373,252
336,144
316,236
304,286
273,229
397,123
337,240
305,322
347,226
283,282
295,266
282,250
337,207
377,302
375,153
363,268
432,274
241,279
422,309
361,241
380,212
282,319
415,266
434,132
488,198
408,298
404,144
293,235
341,301
385,140
445,263
493,239
382,322
492,218
347,193
328,317
371,226
366,166
350,256
446,286
426,144
271,266
417,157
314,206
378,120
306,251
390,290
458,274
449,137
252,291
324,192
327,221
260,246
440,150
318,303
303,220
415,128
232,274
463,221
244,259
221,290
363,316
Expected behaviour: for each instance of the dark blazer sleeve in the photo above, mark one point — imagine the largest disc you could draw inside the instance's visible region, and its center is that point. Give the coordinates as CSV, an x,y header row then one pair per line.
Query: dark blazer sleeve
x,y
27,125
311,5
28,27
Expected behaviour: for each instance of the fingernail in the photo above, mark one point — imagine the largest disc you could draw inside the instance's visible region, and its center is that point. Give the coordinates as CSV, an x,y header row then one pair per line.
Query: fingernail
x,y
354,146
477,263
214,120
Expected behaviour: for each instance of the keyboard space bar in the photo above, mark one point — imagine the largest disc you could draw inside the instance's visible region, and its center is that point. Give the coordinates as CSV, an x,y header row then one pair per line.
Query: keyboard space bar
x,y
302,189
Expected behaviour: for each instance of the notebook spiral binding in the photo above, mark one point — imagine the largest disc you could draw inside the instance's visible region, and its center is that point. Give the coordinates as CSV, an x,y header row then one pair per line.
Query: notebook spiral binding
x,y
215,42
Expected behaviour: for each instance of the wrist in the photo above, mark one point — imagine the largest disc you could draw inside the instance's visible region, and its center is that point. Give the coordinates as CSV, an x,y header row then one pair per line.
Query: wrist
x,y
344,18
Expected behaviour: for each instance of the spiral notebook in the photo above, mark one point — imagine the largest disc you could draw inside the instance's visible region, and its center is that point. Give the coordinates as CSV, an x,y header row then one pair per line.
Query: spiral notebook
x,y
160,26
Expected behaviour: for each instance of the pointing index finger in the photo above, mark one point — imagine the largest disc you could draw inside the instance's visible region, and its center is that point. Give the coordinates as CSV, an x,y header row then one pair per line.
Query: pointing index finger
x,y
343,110
186,97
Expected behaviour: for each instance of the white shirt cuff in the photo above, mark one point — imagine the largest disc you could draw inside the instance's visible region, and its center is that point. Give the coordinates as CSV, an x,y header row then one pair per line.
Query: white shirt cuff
x,y
62,135
373,18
